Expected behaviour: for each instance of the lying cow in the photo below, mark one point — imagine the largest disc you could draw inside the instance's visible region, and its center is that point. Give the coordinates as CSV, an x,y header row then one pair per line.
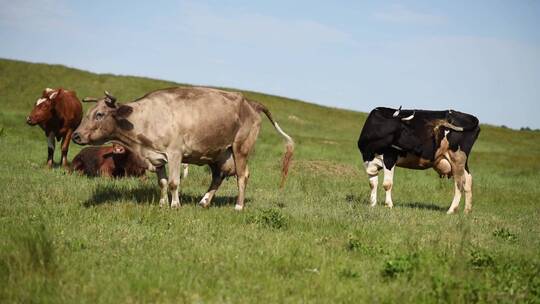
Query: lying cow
x,y
418,139
193,125
108,161
58,112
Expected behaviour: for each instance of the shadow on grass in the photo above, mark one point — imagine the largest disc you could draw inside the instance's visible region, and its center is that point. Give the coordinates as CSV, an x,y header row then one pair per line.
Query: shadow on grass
x,y
425,206
355,199
362,200
146,194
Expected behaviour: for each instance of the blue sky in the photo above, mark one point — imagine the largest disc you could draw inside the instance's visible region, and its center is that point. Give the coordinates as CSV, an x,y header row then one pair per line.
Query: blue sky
x,y
481,57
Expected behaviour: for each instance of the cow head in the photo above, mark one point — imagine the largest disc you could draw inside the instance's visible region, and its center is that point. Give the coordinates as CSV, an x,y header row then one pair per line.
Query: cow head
x,y
44,108
99,124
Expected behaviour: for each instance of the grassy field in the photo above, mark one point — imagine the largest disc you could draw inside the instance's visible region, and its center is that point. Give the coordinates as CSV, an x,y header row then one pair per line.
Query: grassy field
x,y
66,238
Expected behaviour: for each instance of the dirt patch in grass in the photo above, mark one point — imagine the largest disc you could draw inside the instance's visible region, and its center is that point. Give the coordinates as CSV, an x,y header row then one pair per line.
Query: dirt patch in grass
x,y
297,119
324,167
329,142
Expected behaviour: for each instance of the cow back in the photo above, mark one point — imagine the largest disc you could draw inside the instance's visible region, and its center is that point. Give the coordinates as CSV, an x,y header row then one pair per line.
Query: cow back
x,y
68,112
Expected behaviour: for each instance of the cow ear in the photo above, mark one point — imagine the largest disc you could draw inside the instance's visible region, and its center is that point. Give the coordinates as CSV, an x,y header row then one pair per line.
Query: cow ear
x,y
120,116
123,111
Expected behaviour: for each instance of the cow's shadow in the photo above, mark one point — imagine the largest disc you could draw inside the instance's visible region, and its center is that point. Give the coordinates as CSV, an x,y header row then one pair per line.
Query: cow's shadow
x,y
146,194
421,205
362,200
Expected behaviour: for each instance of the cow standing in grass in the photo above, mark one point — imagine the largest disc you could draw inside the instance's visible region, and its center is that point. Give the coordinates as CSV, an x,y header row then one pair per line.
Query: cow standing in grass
x,y
193,125
58,112
419,139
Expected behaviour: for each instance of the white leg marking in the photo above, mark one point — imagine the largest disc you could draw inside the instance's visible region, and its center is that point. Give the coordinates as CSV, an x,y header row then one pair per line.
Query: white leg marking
x,y
238,207
204,200
468,192
457,198
372,170
164,200
175,200
387,185
373,181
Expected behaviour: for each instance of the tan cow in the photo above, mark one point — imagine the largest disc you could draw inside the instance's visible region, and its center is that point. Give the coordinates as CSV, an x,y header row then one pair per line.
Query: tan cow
x,y
192,125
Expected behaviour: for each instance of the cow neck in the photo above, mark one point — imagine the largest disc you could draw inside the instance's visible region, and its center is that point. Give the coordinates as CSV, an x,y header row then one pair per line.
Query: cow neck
x,y
125,139
54,124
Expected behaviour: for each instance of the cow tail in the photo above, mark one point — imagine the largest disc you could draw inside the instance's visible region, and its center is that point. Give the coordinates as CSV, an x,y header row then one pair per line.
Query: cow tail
x,y
289,146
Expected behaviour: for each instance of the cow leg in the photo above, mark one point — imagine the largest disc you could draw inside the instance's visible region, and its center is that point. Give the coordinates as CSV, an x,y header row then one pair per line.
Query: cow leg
x,y
161,173
373,182
175,161
185,169
387,185
51,142
65,147
242,175
217,178
241,149
389,161
372,170
457,198
457,159
468,192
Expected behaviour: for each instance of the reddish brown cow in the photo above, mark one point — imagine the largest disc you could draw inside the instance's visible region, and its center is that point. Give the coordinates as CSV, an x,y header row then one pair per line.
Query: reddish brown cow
x,y
58,112
108,161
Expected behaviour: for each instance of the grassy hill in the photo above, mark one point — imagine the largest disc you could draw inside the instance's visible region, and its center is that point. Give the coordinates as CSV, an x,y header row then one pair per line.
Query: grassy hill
x,y
66,238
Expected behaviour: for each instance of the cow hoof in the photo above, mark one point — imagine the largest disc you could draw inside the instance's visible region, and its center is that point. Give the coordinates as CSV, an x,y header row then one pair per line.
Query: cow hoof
x,y
205,201
163,203
467,211
372,205
238,207
390,206
450,212
175,205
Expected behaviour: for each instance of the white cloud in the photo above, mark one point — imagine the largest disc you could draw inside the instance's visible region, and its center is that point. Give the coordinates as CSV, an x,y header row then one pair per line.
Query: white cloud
x,y
401,14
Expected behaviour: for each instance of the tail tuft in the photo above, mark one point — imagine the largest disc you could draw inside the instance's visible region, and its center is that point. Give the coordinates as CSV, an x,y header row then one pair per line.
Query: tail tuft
x,y
287,158
289,146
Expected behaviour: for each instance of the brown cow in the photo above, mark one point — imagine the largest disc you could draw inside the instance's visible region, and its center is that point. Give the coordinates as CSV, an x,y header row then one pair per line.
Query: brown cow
x,y
58,112
108,161
193,125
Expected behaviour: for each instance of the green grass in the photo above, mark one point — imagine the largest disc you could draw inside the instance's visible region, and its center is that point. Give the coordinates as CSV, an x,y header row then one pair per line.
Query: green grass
x,y
66,238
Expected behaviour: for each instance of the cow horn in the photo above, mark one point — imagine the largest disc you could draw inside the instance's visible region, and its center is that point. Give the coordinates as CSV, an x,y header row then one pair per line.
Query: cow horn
x,y
396,113
452,127
409,117
110,100
89,99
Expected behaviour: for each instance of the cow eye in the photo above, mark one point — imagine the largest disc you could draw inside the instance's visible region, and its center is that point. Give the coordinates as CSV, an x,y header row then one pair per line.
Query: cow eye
x,y
99,116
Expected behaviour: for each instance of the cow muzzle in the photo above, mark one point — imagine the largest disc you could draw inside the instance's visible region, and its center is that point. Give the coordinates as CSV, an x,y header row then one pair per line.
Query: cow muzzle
x,y
30,121
76,137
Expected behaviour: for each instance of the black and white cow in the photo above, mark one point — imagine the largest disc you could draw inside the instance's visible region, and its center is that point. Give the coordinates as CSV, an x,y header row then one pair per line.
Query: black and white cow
x,y
419,139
